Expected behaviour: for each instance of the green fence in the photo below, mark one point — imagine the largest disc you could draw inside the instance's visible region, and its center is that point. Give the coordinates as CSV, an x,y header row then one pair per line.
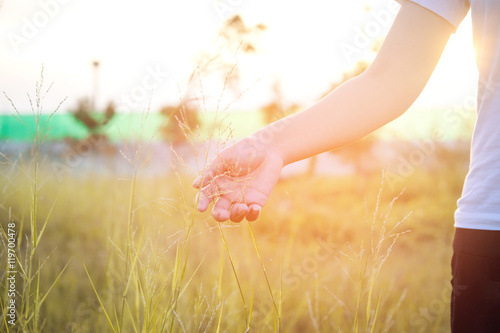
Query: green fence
x,y
121,127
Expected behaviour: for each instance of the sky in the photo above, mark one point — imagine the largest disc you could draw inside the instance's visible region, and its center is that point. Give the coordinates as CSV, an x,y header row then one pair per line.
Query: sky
x,y
147,49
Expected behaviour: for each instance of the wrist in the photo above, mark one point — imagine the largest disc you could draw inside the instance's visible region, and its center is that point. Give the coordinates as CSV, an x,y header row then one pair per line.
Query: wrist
x,y
266,141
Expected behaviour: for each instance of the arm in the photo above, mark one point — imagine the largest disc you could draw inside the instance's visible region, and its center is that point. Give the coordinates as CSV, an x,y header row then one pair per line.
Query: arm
x,y
383,92
241,178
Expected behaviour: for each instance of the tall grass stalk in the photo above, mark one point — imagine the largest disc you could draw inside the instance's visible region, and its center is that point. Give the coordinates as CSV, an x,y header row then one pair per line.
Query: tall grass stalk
x,y
226,248
370,261
130,217
30,268
277,312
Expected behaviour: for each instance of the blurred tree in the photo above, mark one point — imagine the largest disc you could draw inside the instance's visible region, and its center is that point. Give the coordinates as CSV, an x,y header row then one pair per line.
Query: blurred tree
x,y
93,121
277,108
234,37
182,120
360,155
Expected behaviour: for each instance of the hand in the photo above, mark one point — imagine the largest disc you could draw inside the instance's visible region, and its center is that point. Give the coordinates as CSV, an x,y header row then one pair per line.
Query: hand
x,y
239,180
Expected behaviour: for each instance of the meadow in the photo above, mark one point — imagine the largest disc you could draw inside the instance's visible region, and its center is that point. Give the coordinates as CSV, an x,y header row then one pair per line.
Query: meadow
x,y
91,241
103,253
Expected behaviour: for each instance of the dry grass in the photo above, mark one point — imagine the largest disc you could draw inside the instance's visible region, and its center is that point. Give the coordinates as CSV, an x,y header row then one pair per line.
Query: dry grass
x,y
133,255
168,269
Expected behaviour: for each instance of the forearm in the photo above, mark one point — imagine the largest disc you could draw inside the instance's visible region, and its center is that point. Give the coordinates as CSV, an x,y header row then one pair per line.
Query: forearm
x,y
243,175
351,111
384,91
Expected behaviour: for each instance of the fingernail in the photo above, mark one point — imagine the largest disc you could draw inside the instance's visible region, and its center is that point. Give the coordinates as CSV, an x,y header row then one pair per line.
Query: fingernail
x,y
254,210
202,205
196,182
220,215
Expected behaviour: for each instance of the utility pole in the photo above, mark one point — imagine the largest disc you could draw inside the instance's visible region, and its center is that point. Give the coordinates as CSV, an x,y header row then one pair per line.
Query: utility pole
x,y
95,83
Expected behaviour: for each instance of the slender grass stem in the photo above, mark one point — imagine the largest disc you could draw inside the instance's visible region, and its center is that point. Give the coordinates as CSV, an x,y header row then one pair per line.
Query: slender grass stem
x,y
277,312
226,247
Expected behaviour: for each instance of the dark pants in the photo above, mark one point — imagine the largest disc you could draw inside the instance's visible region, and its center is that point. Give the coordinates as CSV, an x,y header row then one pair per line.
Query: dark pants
x,y
475,300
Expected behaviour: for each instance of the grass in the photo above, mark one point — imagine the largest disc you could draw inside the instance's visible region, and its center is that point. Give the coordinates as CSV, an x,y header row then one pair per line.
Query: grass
x,y
161,272
29,264
99,253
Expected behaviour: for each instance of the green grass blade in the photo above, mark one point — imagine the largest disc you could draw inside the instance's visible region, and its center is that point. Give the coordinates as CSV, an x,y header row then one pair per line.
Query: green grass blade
x,y
376,314
219,322
263,269
99,299
54,283
232,267
46,221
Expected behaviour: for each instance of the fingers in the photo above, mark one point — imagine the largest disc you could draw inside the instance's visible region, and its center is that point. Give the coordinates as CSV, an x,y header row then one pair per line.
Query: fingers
x,y
197,182
206,196
223,211
238,212
204,179
220,211
229,207
226,209
203,202
227,204
235,160
253,212
234,200
255,197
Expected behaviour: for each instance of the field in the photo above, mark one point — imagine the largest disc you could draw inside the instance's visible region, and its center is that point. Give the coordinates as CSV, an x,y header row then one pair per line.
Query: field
x,y
99,230
103,253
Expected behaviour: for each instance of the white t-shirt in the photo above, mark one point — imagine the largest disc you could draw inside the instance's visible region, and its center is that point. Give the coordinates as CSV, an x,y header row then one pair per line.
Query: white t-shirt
x,y
479,206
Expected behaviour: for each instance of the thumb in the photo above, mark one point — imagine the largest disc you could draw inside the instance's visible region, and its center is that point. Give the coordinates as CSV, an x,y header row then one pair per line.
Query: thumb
x,y
203,179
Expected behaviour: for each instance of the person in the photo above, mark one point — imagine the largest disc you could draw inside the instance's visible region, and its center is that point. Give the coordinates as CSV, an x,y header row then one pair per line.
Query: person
x,y
242,176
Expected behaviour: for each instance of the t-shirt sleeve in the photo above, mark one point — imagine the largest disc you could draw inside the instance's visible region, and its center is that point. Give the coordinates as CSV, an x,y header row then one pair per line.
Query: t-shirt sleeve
x,y
452,11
